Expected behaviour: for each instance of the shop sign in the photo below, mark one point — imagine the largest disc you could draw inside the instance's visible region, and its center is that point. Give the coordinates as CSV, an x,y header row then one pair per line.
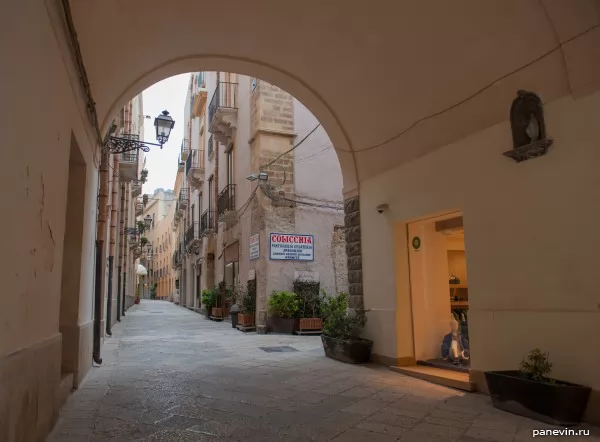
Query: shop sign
x,y
291,247
255,246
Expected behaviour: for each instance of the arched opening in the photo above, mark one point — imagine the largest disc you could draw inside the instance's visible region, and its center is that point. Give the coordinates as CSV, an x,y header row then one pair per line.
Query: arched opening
x,y
254,69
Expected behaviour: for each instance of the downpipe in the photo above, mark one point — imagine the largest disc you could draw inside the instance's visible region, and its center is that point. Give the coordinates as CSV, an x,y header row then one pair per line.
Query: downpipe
x,y
119,294
123,297
109,295
98,304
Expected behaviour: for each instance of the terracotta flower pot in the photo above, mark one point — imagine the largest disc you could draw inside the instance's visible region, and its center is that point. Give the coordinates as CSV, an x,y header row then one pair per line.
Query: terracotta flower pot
x,y
246,319
310,324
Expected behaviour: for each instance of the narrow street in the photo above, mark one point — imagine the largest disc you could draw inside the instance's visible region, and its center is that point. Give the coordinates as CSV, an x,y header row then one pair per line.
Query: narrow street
x,y
170,375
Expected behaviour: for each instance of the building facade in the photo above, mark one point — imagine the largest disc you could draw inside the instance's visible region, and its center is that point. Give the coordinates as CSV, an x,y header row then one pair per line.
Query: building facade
x,y
157,208
237,128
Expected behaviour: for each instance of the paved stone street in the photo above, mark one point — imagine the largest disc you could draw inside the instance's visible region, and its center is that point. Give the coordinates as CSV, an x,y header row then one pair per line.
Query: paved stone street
x,y
171,375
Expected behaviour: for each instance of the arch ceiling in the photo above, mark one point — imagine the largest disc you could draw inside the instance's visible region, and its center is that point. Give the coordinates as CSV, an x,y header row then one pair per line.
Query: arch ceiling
x,y
368,71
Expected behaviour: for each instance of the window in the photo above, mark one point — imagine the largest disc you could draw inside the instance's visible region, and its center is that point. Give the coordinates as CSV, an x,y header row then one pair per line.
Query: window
x,y
210,193
230,167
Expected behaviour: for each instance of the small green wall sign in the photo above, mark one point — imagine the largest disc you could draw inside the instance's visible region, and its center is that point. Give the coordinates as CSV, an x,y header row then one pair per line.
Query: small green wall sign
x,y
416,243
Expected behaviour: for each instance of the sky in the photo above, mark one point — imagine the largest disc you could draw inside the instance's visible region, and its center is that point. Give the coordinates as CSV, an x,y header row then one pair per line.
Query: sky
x,y
168,95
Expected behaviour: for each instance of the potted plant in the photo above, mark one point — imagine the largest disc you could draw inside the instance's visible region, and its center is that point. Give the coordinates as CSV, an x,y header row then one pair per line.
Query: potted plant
x,y
282,308
342,330
208,299
220,293
247,306
529,392
309,299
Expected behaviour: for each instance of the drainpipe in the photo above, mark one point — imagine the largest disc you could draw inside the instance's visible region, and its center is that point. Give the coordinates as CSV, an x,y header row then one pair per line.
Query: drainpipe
x,y
100,241
121,245
113,240
125,251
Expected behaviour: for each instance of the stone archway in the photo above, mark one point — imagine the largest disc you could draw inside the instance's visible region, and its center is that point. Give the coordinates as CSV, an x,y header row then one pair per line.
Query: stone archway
x,y
312,100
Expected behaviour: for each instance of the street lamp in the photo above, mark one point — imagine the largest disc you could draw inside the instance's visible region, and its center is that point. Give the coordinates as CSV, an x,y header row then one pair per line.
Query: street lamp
x,y
163,123
148,221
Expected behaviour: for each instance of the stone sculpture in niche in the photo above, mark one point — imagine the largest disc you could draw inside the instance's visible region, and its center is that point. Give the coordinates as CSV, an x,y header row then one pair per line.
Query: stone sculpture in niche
x,y
528,129
455,347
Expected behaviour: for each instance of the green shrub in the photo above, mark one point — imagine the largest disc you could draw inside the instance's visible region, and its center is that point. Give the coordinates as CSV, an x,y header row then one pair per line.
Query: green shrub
x,y
283,304
246,298
309,298
338,322
537,366
209,298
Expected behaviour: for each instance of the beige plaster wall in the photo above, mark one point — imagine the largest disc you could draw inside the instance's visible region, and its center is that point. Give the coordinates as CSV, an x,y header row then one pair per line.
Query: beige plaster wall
x,y
34,175
531,236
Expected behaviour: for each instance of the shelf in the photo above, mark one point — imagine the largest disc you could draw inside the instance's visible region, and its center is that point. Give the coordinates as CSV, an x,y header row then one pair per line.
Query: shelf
x,y
458,286
459,304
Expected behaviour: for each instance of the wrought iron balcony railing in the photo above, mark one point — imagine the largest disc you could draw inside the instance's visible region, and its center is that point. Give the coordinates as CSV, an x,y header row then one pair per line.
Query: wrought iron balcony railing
x,y
184,197
226,200
224,97
192,233
131,156
185,148
195,161
207,221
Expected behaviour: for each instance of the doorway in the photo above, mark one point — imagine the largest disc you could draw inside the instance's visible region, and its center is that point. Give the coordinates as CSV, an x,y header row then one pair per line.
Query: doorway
x,y
439,293
69,321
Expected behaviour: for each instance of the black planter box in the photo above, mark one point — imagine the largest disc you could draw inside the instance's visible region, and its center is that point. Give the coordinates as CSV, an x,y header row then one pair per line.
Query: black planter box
x,y
350,352
561,403
282,325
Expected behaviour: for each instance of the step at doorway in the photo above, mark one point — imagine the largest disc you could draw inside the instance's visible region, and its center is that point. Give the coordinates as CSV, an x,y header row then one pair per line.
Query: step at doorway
x,y
448,378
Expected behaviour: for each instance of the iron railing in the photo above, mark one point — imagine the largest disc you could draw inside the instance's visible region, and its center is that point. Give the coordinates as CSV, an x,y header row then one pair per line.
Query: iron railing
x,y
195,161
184,197
224,97
226,199
192,233
207,221
185,147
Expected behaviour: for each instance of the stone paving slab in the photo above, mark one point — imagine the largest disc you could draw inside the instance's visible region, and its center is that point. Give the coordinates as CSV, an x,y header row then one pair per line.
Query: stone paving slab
x,y
171,375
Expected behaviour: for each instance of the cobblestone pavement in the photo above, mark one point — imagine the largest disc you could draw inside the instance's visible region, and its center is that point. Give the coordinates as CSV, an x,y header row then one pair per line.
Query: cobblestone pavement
x,y
171,375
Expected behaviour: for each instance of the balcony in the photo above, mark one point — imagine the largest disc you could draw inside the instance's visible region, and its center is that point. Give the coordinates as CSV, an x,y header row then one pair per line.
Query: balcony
x,y
199,103
136,188
177,259
194,168
226,200
207,222
185,148
184,198
193,239
139,207
128,165
222,113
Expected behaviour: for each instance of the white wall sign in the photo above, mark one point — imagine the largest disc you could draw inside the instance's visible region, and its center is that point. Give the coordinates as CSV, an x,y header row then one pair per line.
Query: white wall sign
x,y
255,246
251,274
292,247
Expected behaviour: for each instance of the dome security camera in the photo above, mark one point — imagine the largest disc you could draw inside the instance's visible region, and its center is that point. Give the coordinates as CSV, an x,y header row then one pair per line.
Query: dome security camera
x,y
382,208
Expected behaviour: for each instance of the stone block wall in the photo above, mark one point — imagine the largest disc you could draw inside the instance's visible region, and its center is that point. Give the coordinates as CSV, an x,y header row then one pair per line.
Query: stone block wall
x,y
353,252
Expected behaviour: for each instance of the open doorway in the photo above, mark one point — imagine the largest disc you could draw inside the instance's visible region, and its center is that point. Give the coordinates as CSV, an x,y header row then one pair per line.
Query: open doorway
x,y
73,333
439,293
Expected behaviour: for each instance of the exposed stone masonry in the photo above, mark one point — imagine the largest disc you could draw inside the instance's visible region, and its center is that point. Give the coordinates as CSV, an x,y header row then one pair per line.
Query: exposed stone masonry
x,y
353,252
